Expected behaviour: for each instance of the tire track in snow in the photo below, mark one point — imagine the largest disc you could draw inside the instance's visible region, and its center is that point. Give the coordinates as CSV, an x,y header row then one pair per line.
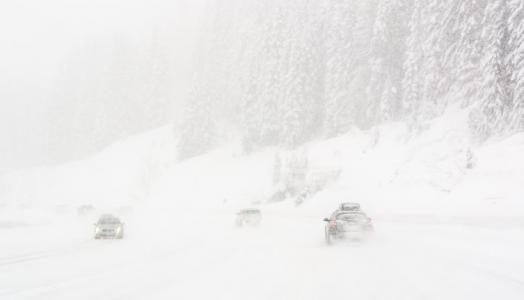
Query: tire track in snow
x,y
28,257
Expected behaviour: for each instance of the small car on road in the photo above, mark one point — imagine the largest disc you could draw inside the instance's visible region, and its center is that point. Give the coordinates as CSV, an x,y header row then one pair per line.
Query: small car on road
x,y
347,224
109,227
249,217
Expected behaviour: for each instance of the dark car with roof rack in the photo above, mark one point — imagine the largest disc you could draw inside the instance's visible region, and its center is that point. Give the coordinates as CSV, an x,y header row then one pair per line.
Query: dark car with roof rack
x,y
348,222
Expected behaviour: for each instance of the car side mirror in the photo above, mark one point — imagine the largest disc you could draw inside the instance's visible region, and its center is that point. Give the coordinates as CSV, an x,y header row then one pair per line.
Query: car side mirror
x,y
326,220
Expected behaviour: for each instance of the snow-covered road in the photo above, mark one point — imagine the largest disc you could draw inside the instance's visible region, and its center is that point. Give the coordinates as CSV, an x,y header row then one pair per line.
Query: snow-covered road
x,y
201,255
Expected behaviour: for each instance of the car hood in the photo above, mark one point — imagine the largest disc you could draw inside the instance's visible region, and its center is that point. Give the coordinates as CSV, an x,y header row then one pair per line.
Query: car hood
x,y
109,226
355,223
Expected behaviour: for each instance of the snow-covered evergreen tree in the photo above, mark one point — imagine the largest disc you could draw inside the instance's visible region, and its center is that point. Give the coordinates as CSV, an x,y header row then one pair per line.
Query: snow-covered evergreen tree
x,y
413,78
339,69
492,110
465,55
282,72
516,64
197,133
388,46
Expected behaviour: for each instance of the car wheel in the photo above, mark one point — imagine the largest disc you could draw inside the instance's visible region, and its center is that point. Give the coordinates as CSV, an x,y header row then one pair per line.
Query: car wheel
x,y
329,241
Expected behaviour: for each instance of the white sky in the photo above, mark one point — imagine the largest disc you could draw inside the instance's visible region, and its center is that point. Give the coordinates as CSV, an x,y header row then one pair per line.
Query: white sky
x,y
38,38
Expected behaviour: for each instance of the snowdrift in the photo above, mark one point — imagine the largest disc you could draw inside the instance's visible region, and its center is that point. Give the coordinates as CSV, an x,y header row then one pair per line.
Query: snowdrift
x,y
388,169
119,175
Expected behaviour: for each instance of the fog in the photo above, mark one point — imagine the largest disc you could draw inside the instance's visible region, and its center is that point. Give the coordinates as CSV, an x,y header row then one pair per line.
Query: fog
x,y
261,149
57,57
80,75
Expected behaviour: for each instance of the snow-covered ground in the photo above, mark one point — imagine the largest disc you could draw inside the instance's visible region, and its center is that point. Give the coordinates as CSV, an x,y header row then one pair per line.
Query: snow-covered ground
x,y
199,254
443,230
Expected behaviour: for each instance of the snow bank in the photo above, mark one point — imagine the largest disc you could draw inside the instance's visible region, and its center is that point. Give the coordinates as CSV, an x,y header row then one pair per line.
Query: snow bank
x,y
387,169
437,172
119,175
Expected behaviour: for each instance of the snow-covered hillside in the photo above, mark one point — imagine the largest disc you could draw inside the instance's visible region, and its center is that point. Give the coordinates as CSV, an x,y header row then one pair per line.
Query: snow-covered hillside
x,y
448,221
119,175
387,168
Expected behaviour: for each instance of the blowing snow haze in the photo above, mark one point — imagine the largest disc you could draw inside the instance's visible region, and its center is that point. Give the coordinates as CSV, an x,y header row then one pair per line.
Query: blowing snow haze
x,y
262,149
77,75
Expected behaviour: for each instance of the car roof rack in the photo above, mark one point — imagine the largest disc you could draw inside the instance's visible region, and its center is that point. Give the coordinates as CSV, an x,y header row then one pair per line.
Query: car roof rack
x,y
349,206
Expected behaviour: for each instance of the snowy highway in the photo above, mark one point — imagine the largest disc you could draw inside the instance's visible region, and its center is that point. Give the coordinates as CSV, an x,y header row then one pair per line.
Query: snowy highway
x,y
198,149
202,255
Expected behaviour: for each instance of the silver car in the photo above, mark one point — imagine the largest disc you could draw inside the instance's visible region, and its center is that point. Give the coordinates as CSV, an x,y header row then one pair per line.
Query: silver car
x,y
249,217
109,227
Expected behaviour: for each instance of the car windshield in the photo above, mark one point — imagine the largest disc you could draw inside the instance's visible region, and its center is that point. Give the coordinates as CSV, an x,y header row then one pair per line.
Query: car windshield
x,y
351,217
109,221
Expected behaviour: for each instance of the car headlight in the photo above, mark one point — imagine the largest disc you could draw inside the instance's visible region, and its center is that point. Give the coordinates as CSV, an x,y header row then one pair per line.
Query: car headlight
x,y
97,229
119,229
